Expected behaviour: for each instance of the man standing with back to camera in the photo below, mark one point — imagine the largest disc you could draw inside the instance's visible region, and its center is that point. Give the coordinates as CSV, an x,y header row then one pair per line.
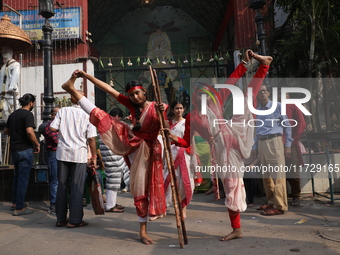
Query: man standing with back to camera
x,y
76,133
20,127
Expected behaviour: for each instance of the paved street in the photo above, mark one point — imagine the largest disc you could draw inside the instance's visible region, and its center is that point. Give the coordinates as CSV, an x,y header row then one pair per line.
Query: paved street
x,y
117,233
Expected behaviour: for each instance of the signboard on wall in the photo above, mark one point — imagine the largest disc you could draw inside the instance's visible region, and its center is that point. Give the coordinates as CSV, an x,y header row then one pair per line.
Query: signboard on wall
x,y
66,23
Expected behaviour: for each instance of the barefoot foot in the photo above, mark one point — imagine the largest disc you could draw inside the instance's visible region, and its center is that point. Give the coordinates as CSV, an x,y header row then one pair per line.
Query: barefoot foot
x,y
69,85
143,234
145,239
153,218
210,191
235,234
263,60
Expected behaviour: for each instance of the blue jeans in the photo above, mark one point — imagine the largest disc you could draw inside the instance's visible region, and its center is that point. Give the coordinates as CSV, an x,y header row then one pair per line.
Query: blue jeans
x,y
22,167
53,175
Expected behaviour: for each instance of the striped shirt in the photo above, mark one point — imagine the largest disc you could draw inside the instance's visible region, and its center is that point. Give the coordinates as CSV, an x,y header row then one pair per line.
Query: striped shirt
x,y
74,128
115,167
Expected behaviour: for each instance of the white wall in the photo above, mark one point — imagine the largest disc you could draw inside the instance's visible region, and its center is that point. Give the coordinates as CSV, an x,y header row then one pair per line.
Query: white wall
x,y
32,82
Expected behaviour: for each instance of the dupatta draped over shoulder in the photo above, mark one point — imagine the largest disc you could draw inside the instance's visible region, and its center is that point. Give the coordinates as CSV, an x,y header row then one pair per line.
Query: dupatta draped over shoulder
x,y
184,173
229,144
142,152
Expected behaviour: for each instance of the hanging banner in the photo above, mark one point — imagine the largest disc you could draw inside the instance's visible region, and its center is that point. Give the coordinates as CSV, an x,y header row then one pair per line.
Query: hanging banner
x,y
65,23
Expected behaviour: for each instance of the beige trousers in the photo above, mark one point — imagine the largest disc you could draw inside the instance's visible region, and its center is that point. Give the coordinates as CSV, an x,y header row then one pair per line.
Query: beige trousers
x,y
271,154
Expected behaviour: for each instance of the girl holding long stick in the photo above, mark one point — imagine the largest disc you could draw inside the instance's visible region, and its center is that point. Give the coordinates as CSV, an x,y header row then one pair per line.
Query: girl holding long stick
x,y
139,146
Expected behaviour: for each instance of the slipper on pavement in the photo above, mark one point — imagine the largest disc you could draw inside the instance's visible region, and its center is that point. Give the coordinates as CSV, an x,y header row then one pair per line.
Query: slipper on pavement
x,y
296,202
119,206
58,225
115,210
264,207
19,213
82,224
272,211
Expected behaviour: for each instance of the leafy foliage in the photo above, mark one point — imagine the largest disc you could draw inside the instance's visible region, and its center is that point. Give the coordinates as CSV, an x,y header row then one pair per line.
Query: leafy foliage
x,y
307,45
292,42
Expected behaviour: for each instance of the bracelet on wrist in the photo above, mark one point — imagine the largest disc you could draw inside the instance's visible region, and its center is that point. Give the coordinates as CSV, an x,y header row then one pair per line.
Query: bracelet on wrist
x,y
244,62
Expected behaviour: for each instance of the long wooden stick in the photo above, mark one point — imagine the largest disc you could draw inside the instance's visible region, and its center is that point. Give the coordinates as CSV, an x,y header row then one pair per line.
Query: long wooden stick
x,y
101,163
183,239
7,150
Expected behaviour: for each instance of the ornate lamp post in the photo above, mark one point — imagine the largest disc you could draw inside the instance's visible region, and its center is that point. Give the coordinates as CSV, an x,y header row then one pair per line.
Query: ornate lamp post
x,y
47,11
257,5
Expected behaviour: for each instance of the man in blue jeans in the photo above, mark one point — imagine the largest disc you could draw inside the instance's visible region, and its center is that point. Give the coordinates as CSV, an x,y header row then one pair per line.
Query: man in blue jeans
x,y
20,127
51,140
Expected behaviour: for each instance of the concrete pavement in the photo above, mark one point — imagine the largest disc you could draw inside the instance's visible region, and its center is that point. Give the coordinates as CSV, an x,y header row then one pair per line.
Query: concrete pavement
x,y
207,220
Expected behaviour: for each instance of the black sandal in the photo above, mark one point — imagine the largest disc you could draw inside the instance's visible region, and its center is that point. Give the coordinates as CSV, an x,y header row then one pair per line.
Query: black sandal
x,y
295,202
81,224
58,225
119,206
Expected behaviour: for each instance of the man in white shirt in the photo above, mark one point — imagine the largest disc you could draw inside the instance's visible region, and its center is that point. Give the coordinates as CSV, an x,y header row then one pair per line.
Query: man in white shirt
x,y
76,133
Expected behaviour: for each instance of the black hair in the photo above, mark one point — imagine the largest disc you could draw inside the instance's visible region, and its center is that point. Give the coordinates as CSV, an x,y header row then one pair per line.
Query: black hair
x,y
128,86
26,99
132,84
268,87
116,111
174,103
52,111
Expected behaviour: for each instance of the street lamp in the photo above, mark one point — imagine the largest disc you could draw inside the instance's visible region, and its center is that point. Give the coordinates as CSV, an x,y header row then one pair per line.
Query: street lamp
x,y
257,5
146,2
46,10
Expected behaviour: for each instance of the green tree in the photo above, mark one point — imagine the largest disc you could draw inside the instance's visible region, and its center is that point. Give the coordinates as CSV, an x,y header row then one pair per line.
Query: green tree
x,y
307,45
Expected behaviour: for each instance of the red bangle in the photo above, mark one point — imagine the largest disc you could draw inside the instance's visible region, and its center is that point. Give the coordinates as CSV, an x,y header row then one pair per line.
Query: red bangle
x,y
94,156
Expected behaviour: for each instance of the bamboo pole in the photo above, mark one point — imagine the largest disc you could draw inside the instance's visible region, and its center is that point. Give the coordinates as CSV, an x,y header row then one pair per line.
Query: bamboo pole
x,y
7,150
183,239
